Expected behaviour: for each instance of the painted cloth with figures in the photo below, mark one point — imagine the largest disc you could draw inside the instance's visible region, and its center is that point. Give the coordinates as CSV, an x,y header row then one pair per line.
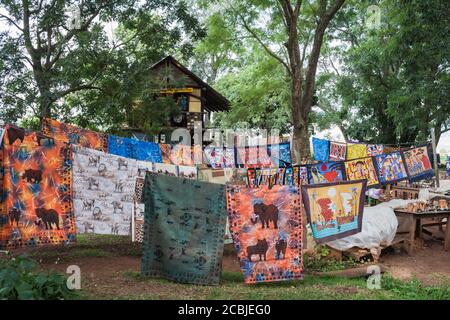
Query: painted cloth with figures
x,y
334,210
266,226
184,228
418,163
37,206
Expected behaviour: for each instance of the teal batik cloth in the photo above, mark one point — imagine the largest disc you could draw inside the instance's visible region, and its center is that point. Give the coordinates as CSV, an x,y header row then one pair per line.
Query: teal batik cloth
x,y
184,227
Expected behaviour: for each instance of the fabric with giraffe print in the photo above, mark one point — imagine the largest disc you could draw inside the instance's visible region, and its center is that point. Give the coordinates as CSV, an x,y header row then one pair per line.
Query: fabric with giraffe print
x,y
184,227
266,226
104,191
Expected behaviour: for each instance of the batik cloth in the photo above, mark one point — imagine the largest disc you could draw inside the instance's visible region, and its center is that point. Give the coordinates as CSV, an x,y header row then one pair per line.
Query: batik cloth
x,y
418,164
75,135
183,230
326,172
266,226
37,185
137,219
214,156
390,167
338,151
360,169
280,154
166,169
134,149
300,175
356,151
374,150
104,188
187,172
321,149
334,210
165,152
253,157
182,155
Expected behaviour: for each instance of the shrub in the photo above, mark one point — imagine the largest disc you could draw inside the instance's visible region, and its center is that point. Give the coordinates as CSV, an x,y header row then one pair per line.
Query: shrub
x,y
19,279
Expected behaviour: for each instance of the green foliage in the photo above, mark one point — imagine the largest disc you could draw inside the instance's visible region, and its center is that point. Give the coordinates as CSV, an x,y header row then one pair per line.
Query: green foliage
x,y
414,289
20,280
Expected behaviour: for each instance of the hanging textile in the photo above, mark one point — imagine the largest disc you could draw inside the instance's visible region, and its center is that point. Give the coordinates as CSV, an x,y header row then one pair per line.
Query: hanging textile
x,y
326,172
360,169
374,150
266,226
165,152
300,175
184,229
338,151
214,156
280,154
253,157
166,169
321,149
182,155
418,164
187,172
334,210
75,135
134,149
356,151
37,202
137,227
390,167
104,187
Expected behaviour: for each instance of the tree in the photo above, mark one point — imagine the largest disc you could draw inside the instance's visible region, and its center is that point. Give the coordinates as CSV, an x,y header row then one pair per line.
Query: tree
x,y
292,34
49,68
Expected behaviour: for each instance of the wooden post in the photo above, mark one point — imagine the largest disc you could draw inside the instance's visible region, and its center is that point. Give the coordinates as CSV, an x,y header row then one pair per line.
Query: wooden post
x,y
433,144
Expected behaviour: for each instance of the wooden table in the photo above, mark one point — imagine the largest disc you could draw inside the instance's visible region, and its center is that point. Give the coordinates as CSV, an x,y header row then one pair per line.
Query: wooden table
x,y
415,218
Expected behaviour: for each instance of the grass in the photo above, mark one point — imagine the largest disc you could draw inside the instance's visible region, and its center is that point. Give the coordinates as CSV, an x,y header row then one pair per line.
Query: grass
x,y
129,284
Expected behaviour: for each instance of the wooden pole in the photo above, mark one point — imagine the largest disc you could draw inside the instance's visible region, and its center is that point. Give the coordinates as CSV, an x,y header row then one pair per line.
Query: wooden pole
x,y
433,144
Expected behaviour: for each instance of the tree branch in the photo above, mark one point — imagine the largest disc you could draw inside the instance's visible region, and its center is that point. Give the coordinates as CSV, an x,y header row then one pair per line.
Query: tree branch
x,y
11,21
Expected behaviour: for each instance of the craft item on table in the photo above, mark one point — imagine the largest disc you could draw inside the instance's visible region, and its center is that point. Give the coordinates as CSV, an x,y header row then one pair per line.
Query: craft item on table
x,y
75,135
184,229
374,150
321,149
418,164
356,151
266,226
165,152
390,167
326,172
187,172
360,169
37,206
334,210
104,188
182,155
338,151
166,169
134,149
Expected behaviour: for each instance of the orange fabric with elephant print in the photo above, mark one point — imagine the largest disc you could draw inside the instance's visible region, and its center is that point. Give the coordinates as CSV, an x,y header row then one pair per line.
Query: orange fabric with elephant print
x,y
37,190
73,134
266,227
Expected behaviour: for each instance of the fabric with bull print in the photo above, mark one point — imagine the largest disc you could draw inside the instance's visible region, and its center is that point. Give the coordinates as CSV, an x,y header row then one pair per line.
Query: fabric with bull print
x,y
104,190
37,190
75,135
266,226
184,228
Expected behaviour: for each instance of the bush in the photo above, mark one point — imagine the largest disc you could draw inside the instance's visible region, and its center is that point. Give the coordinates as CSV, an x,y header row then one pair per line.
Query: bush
x,y
19,279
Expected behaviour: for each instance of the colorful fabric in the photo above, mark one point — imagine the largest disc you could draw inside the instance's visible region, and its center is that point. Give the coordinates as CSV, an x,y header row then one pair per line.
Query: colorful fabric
x,y
187,172
326,172
214,156
104,189
165,152
321,149
390,167
374,150
338,151
356,151
253,157
229,158
280,154
300,175
418,164
183,229
137,219
75,135
134,149
360,169
266,226
166,169
334,210
37,207
182,155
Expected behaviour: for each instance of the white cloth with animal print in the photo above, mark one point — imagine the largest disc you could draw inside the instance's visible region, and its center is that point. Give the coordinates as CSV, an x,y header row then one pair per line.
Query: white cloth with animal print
x,y
103,191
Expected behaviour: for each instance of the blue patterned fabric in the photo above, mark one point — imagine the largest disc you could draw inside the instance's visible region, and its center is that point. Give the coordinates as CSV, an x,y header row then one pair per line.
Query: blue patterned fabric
x,y
321,149
135,149
280,154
